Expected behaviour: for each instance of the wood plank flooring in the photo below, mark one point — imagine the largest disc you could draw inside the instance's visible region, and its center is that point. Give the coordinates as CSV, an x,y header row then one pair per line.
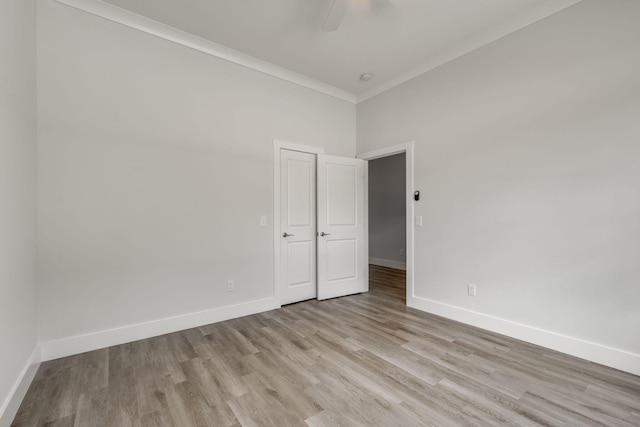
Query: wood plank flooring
x,y
363,360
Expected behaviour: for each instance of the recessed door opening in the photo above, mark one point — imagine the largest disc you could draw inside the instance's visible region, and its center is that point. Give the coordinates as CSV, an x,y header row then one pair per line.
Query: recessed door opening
x,y
387,226
399,276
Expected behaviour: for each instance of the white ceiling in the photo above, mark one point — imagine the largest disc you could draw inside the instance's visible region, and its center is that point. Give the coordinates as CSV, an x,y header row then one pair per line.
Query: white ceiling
x,y
392,39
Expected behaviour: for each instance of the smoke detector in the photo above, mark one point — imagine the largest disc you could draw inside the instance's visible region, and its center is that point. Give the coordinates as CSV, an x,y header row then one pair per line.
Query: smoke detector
x,y
365,77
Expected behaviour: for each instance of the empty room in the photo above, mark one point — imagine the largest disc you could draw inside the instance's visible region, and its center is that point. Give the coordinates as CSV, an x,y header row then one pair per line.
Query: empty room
x,y
319,213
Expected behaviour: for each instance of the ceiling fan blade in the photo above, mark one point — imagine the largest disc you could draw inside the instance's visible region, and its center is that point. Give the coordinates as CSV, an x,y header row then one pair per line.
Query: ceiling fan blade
x,y
401,3
335,15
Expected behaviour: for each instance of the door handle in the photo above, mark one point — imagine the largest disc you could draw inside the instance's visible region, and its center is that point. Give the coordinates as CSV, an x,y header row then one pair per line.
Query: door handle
x,y
325,234
285,234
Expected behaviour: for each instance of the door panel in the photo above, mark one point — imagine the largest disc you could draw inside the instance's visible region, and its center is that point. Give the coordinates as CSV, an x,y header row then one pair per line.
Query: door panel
x,y
341,194
299,192
300,262
342,251
342,258
298,221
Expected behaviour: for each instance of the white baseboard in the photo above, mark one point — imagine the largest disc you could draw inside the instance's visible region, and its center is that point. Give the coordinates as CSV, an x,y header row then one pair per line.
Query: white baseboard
x,y
598,353
87,342
10,406
388,263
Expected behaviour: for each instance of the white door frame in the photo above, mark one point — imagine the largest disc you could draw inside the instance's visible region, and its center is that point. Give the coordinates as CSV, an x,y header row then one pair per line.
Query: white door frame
x,y
406,148
277,232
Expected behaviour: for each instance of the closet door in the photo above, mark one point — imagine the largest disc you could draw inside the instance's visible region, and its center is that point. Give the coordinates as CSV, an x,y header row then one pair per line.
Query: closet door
x,y
342,250
298,226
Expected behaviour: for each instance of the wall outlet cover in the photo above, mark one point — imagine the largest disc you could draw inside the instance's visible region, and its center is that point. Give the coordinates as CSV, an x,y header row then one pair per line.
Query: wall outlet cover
x,y
471,289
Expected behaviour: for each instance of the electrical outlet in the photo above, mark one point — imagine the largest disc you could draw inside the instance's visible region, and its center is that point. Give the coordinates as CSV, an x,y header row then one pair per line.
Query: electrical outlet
x,y
230,285
263,221
471,289
419,220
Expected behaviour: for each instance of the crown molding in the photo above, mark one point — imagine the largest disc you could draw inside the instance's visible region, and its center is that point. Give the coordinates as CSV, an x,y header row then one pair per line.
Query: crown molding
x,y
166,32
476,41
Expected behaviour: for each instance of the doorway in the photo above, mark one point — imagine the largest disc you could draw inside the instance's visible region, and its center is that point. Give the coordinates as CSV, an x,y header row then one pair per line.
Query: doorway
x,y
387,225
320,223
407,149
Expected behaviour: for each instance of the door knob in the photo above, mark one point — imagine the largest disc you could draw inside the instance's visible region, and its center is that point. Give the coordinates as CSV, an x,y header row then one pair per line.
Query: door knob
x,y
325,234
285,234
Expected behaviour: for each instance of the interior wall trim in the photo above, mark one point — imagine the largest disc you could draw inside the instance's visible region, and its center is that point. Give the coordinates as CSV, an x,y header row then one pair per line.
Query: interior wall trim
x,y
462,47
138,22
166,32
63,347
598,353
10,406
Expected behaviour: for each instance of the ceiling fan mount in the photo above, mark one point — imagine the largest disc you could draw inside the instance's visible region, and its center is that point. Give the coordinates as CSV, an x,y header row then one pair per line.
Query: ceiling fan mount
x,y
335,15
338,9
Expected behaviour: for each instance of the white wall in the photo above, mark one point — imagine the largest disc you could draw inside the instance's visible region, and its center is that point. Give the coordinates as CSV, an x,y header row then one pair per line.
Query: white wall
x,y
387,206
527,157
18,318
155,163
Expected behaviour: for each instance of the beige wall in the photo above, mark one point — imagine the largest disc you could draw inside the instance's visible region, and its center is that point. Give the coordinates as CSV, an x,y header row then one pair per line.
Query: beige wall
x,y
527,158
18,333
155,164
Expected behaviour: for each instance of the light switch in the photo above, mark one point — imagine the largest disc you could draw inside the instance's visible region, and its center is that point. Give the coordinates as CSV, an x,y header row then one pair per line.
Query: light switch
x,y
263,221
419,220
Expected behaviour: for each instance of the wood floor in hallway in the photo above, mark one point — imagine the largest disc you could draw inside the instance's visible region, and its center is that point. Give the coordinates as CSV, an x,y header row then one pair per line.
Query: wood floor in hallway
x,y
362,360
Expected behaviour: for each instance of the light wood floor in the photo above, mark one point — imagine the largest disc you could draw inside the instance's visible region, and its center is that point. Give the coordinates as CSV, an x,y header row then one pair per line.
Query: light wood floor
x,y
363,360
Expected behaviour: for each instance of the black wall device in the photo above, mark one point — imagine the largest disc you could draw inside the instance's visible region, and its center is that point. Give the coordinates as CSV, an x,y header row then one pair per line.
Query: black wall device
x,y
416,196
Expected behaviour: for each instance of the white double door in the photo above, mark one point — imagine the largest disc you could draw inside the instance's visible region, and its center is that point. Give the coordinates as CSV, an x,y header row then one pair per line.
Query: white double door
x,y
323,251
